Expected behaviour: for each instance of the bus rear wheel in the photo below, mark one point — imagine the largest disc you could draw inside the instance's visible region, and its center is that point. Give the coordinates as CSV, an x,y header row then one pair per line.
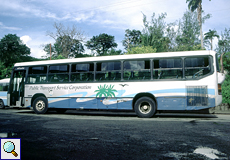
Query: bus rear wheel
x,y
2,106
145,107
40,105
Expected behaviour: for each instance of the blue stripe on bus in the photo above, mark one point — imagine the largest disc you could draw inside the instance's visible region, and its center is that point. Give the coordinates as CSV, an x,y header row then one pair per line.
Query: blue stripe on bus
x,y
121,92
164,103
178,90
2,93
3,96
97,103
180,103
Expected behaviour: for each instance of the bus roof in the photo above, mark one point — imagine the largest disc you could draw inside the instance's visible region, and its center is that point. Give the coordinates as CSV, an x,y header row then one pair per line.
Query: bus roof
x,y
118,57
6,80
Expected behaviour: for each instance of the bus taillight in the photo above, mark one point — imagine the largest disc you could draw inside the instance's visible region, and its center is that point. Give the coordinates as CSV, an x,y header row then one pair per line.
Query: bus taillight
x,y
219,89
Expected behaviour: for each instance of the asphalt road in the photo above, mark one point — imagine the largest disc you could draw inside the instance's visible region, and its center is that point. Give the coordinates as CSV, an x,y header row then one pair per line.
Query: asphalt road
x,y
117,135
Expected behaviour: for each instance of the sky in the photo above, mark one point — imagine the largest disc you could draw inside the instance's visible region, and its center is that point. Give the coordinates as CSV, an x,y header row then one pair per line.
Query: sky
x,y
31,20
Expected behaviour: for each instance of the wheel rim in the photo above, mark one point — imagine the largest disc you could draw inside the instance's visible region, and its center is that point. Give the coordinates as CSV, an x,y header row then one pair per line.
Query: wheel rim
x,y
145,107
40,105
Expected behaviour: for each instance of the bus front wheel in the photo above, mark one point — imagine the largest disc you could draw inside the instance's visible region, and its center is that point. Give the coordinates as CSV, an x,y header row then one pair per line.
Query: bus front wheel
x,y
2,106
40,105
145,107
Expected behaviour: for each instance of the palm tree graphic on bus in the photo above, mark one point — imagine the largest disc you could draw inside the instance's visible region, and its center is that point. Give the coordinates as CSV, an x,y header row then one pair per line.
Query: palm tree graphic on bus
x,y
105,91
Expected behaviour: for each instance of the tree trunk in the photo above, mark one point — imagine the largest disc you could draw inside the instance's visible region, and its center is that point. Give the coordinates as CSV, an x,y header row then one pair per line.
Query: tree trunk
x,y
221,63
199,17
211,44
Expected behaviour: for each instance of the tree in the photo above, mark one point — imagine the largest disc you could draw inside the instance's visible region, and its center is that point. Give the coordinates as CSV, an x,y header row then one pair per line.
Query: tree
x,y
187,37
114,52
196,5
142,49
4,71
210,35
132,38
226,84
68,41
12,50
101,44
223,47
154,33
224,42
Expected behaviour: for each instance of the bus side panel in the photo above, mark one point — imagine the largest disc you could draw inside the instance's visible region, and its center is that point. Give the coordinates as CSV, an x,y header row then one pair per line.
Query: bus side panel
x,y
170,95
201,94
3,96
82,103
28,102
171,103
125,103
58,102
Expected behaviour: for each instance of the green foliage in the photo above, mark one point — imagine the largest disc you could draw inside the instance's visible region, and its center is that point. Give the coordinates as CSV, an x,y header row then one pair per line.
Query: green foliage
x,y
140,50
189,48
154,34
4,71
113,52
193,4
226,62
65,47
187,38
197,5
224,42
12,50
101,44
59,57
132,38
67,42
226,89
210,35
226,84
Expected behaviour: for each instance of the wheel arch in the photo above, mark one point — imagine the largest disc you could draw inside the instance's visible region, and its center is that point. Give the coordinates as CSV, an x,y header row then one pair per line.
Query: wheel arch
x,y
36,96
144,94
2,107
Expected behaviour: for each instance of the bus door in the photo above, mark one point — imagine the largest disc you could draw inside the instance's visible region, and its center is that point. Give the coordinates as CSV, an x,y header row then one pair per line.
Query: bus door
x,y
17,85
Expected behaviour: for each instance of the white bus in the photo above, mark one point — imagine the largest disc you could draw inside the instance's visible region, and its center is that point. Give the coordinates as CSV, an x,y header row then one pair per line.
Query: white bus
x,y
145,83
4,84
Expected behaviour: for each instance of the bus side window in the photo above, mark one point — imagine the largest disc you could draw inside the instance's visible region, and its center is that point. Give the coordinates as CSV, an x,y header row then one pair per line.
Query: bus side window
x,y
168,69
108,71
196,67
5,87
137,70
37,74
82,72
58,73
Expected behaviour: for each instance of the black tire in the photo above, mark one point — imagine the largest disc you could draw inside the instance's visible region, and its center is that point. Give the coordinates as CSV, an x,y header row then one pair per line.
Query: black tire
x,y
145,107
2,106
40,105
61,111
